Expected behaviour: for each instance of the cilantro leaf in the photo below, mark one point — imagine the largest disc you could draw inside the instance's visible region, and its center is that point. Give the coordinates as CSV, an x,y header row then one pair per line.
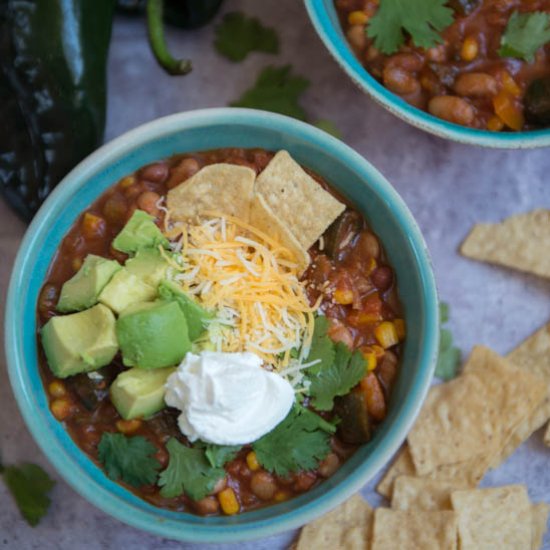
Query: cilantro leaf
x,y
298,443
449,356
188,471
129,458
525,34
339,378
219,455
329,127
277,90
422,19
29,485
322,347
238,35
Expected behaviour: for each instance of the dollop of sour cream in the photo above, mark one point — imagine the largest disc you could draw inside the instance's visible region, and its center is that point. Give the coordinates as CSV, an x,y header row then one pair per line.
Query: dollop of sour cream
x,y
227,398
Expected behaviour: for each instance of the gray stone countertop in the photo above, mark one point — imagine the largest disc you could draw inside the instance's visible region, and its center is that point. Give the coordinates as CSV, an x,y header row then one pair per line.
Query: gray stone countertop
x,y
447,186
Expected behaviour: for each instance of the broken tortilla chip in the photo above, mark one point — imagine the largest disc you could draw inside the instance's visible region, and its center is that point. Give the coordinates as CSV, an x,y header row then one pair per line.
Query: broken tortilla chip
x,y
348,526
263,218
227,188
546,438
539,514
402,465
420,493
499,518
412,530
474,416
517,242
301,204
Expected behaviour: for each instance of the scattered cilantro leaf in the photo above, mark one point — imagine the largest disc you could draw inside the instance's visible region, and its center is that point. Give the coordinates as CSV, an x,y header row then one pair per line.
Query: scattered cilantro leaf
x,y
188,471
422,19
129,458
298,443
339,378
449,356
276,90
238,35
329,127
29,485
322,347
525,34
219,455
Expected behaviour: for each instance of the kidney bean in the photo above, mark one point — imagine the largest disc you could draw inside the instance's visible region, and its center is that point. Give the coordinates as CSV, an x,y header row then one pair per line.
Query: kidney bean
x,y
156,173
304,481
115,209
382,277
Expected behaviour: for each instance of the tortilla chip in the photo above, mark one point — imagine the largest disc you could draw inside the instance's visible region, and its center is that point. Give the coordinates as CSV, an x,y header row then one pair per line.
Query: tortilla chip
x,y
419,493
225,188
347,527
263,218
539,517
463,474
475,415
532,355
498,518
516,242
546,438
413,530
301,204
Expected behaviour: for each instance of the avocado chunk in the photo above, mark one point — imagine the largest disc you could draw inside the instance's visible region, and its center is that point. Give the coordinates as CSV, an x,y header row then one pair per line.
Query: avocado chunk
x,y
138,392
83,289
80,342
195,315
125,289
148,265
153,335
139,232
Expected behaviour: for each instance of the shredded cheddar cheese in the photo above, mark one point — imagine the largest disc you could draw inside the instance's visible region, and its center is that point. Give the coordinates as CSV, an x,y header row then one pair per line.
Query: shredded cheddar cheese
x,y
251,281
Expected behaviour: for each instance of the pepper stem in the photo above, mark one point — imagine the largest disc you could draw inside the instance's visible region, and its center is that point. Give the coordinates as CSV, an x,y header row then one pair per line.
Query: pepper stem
x,y
157,41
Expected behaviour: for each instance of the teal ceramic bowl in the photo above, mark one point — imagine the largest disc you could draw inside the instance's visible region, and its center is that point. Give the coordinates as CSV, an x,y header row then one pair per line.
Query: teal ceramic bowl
x,y
199,130
325,20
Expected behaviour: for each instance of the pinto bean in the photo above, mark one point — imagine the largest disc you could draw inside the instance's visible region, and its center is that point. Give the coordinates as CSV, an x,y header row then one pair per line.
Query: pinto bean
x,y
476,85
357,37
148,201
207,506
156,173
400,81
452,108
184,170
263,485
329,465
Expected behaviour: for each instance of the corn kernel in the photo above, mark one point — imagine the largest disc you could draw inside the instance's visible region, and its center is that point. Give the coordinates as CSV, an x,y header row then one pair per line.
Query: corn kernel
x,y
357,17
281,496
127,182
343,296
400,328
370,358
228,501
494,124
128,426
378,351
509,84
386,334
252,461
57,388
92,225
61,408
470,49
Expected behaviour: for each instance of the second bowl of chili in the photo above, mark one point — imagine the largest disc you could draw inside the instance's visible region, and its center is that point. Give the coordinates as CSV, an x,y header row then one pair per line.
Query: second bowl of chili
x,y
238,138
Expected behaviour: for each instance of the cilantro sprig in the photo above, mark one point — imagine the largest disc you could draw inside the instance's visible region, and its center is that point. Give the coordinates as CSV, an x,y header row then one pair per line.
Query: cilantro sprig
x,y
188,471
29,485
421,19
322,347
449,356
525,34
238,35
346,371
129,458
298,443
219,455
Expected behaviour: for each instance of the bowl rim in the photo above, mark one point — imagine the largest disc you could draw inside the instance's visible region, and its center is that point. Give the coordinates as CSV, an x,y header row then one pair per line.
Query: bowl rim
x,y
340,50
177,528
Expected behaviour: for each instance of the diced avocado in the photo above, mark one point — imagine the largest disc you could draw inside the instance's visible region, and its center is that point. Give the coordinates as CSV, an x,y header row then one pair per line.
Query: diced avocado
x,y
82,290
149,265
139,232
125,289
195,315
138,392
153,335
80,342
